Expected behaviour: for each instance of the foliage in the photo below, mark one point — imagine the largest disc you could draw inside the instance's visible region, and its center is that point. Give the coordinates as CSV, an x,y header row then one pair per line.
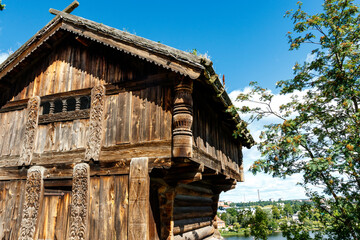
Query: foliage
x,y
288,210
259,227
319,133
275,212
2,6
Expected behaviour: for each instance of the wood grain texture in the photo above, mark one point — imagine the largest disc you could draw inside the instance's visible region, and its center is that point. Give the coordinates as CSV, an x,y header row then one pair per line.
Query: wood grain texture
x,y
34,191
30,133
138,221
95,133
79,220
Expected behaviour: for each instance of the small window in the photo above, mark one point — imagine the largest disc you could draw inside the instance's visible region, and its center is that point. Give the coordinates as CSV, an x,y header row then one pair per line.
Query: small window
x,y
46,108
71,104
58,106
84,103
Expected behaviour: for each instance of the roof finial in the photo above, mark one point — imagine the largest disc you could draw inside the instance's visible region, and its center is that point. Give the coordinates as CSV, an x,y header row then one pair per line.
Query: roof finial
x,y
68,9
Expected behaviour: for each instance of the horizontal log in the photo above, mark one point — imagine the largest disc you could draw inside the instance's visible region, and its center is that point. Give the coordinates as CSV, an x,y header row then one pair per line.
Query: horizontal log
x,y
187,189
192,212
14,105
64,116
197,234
186,200
65,170
157,149
186,225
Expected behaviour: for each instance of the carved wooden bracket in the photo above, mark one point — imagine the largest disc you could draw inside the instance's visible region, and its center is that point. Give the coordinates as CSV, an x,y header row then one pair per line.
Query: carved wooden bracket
x,y
95,133
34,192
30,131
182,119
79,215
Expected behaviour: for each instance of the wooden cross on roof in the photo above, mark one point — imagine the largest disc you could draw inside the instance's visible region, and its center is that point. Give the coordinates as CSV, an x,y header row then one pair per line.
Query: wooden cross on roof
x,y
68,9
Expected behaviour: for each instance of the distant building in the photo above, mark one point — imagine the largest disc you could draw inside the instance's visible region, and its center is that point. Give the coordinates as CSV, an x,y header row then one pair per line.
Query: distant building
x,y
220,223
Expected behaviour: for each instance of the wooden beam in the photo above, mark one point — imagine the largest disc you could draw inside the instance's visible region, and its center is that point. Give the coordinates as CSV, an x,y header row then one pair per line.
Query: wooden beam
x,y
79,219
71,7
30,131
197,234
34,193
139,183
68,9
182,119
96,132
166,195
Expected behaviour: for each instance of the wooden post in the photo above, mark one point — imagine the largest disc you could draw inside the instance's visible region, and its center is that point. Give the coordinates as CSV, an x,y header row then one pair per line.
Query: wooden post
x,y
79,215
166,208
34,193
95,133
139,187
182,119
30,131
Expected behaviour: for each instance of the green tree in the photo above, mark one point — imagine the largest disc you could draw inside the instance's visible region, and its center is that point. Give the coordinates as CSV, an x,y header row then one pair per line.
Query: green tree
x,y
2,6
318,134
275,212
288,210
259,226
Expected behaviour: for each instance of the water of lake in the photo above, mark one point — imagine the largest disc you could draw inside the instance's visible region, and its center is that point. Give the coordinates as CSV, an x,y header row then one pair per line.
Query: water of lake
x,y
274,236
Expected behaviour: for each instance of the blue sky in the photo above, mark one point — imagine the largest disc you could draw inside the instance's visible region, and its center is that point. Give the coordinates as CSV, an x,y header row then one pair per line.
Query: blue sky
x,y
245,40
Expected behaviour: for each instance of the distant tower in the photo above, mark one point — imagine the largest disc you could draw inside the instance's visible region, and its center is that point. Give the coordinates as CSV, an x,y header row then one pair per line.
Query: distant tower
x,y
259,195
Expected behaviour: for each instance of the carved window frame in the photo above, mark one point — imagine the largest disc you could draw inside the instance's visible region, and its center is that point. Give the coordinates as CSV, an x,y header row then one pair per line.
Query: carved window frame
x,y
59,110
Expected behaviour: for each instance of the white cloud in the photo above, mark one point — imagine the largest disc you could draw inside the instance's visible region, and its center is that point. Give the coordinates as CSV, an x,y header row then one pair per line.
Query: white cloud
x,y
310,57
3,57
268,186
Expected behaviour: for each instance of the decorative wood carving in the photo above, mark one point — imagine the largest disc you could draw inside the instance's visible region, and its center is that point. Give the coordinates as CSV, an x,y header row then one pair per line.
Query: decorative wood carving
x,y
34,192
30,130
64,116
182,119
96,123
80,202
139,188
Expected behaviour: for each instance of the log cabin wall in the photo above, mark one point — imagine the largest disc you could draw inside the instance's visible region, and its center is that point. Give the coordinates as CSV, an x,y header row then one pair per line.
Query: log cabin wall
x,y
137,108
11,203
108,170
212,136
193,212
73,66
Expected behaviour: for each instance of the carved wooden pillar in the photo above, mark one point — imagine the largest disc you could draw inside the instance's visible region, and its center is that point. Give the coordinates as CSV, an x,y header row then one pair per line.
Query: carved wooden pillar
x,y
96,123
182,119
79,215
30,131
139,201
34,192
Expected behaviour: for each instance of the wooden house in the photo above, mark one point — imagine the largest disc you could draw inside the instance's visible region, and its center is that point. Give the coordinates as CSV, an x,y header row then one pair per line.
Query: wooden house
x,y
107,135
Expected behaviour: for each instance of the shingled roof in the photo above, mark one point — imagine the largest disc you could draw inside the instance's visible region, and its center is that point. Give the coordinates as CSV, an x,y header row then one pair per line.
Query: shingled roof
x,y
184,63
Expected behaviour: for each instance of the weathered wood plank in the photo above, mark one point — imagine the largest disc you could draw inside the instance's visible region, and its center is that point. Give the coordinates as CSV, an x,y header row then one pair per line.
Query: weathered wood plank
x,y
94,224
121,189
63,219
186,225
107,207
138,221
